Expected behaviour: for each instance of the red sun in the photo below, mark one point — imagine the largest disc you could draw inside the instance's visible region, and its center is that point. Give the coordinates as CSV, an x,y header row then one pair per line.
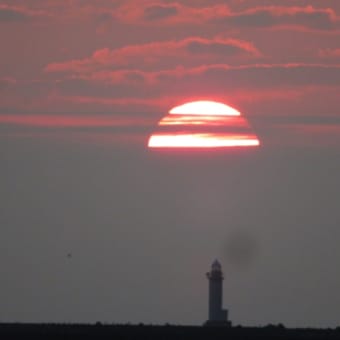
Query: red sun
x,y
203,124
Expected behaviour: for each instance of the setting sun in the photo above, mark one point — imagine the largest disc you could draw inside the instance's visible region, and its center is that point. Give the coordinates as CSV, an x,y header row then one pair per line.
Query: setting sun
x,y
203,124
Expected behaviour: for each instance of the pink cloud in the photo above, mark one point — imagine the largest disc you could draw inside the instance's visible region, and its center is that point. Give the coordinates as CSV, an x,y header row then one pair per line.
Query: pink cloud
x,y
330,53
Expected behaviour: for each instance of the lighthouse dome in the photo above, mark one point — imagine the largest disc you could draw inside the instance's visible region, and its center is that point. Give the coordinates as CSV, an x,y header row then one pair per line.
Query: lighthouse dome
x,y
216,266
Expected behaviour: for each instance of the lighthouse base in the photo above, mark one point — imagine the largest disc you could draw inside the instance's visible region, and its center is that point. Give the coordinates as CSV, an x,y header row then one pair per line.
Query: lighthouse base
x,y
218,318
216,323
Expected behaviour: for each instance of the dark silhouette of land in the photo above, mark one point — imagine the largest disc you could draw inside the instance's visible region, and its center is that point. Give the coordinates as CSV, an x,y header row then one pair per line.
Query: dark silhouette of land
x,y
101,331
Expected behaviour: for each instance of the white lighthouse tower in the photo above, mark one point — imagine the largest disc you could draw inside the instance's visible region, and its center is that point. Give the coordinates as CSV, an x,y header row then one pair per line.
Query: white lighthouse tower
x,y
217,315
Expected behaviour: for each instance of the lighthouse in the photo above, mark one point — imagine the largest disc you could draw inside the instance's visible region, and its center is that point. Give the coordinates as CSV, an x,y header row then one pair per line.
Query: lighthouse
x,y
217,315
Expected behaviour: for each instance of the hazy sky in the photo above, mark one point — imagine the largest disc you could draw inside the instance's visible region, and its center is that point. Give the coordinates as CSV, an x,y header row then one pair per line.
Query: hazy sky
x,y
95,227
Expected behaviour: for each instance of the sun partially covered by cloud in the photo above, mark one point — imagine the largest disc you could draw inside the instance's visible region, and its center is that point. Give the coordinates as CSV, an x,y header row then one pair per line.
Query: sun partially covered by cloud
x,y
203,124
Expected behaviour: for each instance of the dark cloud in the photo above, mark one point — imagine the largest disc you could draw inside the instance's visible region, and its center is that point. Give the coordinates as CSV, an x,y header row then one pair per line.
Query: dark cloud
x,y
264,75
200,80
211,47
308,17
9,14
132,56
258,19
241,248
6,83
321,19
317,19
123,89
157,12
105,17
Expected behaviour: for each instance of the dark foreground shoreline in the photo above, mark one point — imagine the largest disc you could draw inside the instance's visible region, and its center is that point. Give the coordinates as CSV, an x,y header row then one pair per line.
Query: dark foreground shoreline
x,y
101,331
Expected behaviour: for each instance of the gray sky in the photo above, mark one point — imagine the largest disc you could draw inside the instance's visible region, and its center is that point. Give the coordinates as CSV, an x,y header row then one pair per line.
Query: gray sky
x,y
82,87
143,228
